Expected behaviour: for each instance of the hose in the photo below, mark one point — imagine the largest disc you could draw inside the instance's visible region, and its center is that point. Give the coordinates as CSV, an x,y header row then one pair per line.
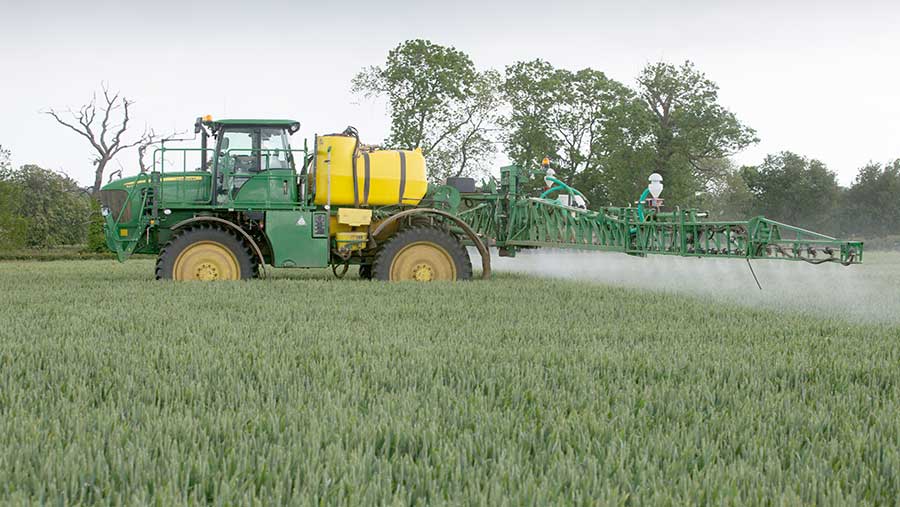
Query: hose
x,y
551,190
790,255
562,186
640,208
641,203
340,274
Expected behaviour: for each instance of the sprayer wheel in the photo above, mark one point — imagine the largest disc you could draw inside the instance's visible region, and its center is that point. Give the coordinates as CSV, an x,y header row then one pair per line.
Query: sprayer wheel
x,y
422,254
365,271
205,252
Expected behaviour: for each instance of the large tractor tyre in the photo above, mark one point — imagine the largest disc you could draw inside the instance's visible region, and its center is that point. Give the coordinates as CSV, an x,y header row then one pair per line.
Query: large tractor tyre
x,y
206,252
422,254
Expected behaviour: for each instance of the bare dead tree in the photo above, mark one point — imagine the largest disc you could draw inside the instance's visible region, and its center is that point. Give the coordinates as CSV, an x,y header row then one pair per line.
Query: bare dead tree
x,y
106,137
151,138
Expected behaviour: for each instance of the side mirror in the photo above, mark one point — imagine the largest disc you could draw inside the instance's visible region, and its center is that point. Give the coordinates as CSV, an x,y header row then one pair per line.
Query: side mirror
x,y
198,125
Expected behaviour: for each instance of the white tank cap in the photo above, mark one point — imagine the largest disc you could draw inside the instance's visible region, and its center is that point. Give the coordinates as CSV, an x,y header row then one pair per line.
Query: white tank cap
x,y
655,186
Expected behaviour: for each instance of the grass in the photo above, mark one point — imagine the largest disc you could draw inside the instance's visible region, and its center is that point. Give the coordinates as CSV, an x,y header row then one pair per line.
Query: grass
x,y
302,389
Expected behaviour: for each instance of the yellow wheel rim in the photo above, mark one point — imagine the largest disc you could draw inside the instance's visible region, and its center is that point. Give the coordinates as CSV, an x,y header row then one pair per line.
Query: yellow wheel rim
x,y
206,261
423,261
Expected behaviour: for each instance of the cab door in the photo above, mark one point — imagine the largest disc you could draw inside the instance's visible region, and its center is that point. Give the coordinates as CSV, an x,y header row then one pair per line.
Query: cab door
x,y
256,168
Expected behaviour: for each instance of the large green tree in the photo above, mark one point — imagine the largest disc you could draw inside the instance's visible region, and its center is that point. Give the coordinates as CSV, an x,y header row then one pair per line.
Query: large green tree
x,y
584,121
438,101
794,189
689,127
872,204
607,138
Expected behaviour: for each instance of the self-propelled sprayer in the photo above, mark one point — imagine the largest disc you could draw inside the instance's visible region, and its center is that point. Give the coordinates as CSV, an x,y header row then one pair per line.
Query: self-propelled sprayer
x,y
254,200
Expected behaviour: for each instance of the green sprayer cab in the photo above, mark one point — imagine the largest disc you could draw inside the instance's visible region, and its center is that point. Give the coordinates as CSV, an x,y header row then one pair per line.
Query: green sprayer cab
x,y
246,198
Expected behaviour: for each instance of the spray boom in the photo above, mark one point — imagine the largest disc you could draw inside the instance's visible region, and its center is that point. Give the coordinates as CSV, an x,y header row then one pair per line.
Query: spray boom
x,y
512,221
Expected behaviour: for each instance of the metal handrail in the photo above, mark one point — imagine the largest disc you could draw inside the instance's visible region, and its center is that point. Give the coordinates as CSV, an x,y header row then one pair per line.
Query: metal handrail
x,y
159,161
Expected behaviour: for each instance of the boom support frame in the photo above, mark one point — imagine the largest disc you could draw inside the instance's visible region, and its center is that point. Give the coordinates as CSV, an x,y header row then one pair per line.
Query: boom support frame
x,y
511,221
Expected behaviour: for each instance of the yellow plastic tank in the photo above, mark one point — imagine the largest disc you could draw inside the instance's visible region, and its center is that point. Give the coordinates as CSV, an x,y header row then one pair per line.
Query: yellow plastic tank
x,y
382,177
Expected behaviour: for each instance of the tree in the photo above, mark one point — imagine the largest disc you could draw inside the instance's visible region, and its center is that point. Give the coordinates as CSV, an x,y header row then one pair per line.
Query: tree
x,y
12,226
150,139
105,137
728,197
794,189
5,163
872,203
57,210
591,127
95,236
689,126
438,101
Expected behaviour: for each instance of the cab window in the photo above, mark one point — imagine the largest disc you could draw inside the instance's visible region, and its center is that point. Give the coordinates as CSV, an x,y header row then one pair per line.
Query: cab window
x,y
274,148
237,151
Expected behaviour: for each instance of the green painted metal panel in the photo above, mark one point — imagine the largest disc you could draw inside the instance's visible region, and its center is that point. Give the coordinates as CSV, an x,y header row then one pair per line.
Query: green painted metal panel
x,y
186,188
293,243
266,188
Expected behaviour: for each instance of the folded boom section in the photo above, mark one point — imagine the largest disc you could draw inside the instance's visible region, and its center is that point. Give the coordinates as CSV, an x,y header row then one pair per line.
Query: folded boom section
x,y
529,222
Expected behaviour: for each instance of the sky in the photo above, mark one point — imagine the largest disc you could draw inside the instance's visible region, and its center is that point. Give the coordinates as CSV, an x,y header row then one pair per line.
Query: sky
x,y
819,78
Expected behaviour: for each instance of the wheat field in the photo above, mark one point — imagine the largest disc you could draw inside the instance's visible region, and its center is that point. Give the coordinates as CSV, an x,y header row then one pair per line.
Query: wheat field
x,y
305,390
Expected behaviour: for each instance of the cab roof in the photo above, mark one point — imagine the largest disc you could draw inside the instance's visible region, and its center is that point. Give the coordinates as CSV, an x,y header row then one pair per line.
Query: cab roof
x,y
280,123
292,126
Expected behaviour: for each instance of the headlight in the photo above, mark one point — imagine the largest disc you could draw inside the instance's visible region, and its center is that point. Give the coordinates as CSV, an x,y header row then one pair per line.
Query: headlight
x,y
104,211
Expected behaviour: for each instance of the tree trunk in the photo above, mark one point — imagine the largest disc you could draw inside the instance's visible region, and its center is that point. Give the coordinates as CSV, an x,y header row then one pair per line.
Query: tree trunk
x,y
98,178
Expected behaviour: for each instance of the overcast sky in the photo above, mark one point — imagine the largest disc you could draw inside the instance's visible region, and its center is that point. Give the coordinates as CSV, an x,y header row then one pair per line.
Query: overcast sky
x,y
816,77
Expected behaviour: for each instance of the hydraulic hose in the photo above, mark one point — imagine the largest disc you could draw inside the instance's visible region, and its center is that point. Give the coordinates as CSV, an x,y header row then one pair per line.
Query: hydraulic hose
x,y
641,204
561,186
551,190
640,208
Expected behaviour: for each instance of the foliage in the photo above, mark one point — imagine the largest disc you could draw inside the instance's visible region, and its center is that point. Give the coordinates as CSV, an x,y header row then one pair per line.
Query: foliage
x,y
607,138
689,127
13,227
5,164
96,239
585,122
794,189
56,209
437,101
872,204
120,390
61,253
728,197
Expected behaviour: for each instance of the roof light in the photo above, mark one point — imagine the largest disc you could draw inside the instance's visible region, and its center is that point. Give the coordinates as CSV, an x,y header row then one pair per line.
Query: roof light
x,y
207,118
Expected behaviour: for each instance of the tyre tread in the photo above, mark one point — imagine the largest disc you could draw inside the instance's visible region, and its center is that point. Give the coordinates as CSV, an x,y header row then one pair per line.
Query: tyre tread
x,y
385,255
171,249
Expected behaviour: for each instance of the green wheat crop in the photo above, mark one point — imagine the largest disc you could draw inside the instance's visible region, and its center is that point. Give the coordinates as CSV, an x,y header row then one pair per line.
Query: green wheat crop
x,y
301,389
